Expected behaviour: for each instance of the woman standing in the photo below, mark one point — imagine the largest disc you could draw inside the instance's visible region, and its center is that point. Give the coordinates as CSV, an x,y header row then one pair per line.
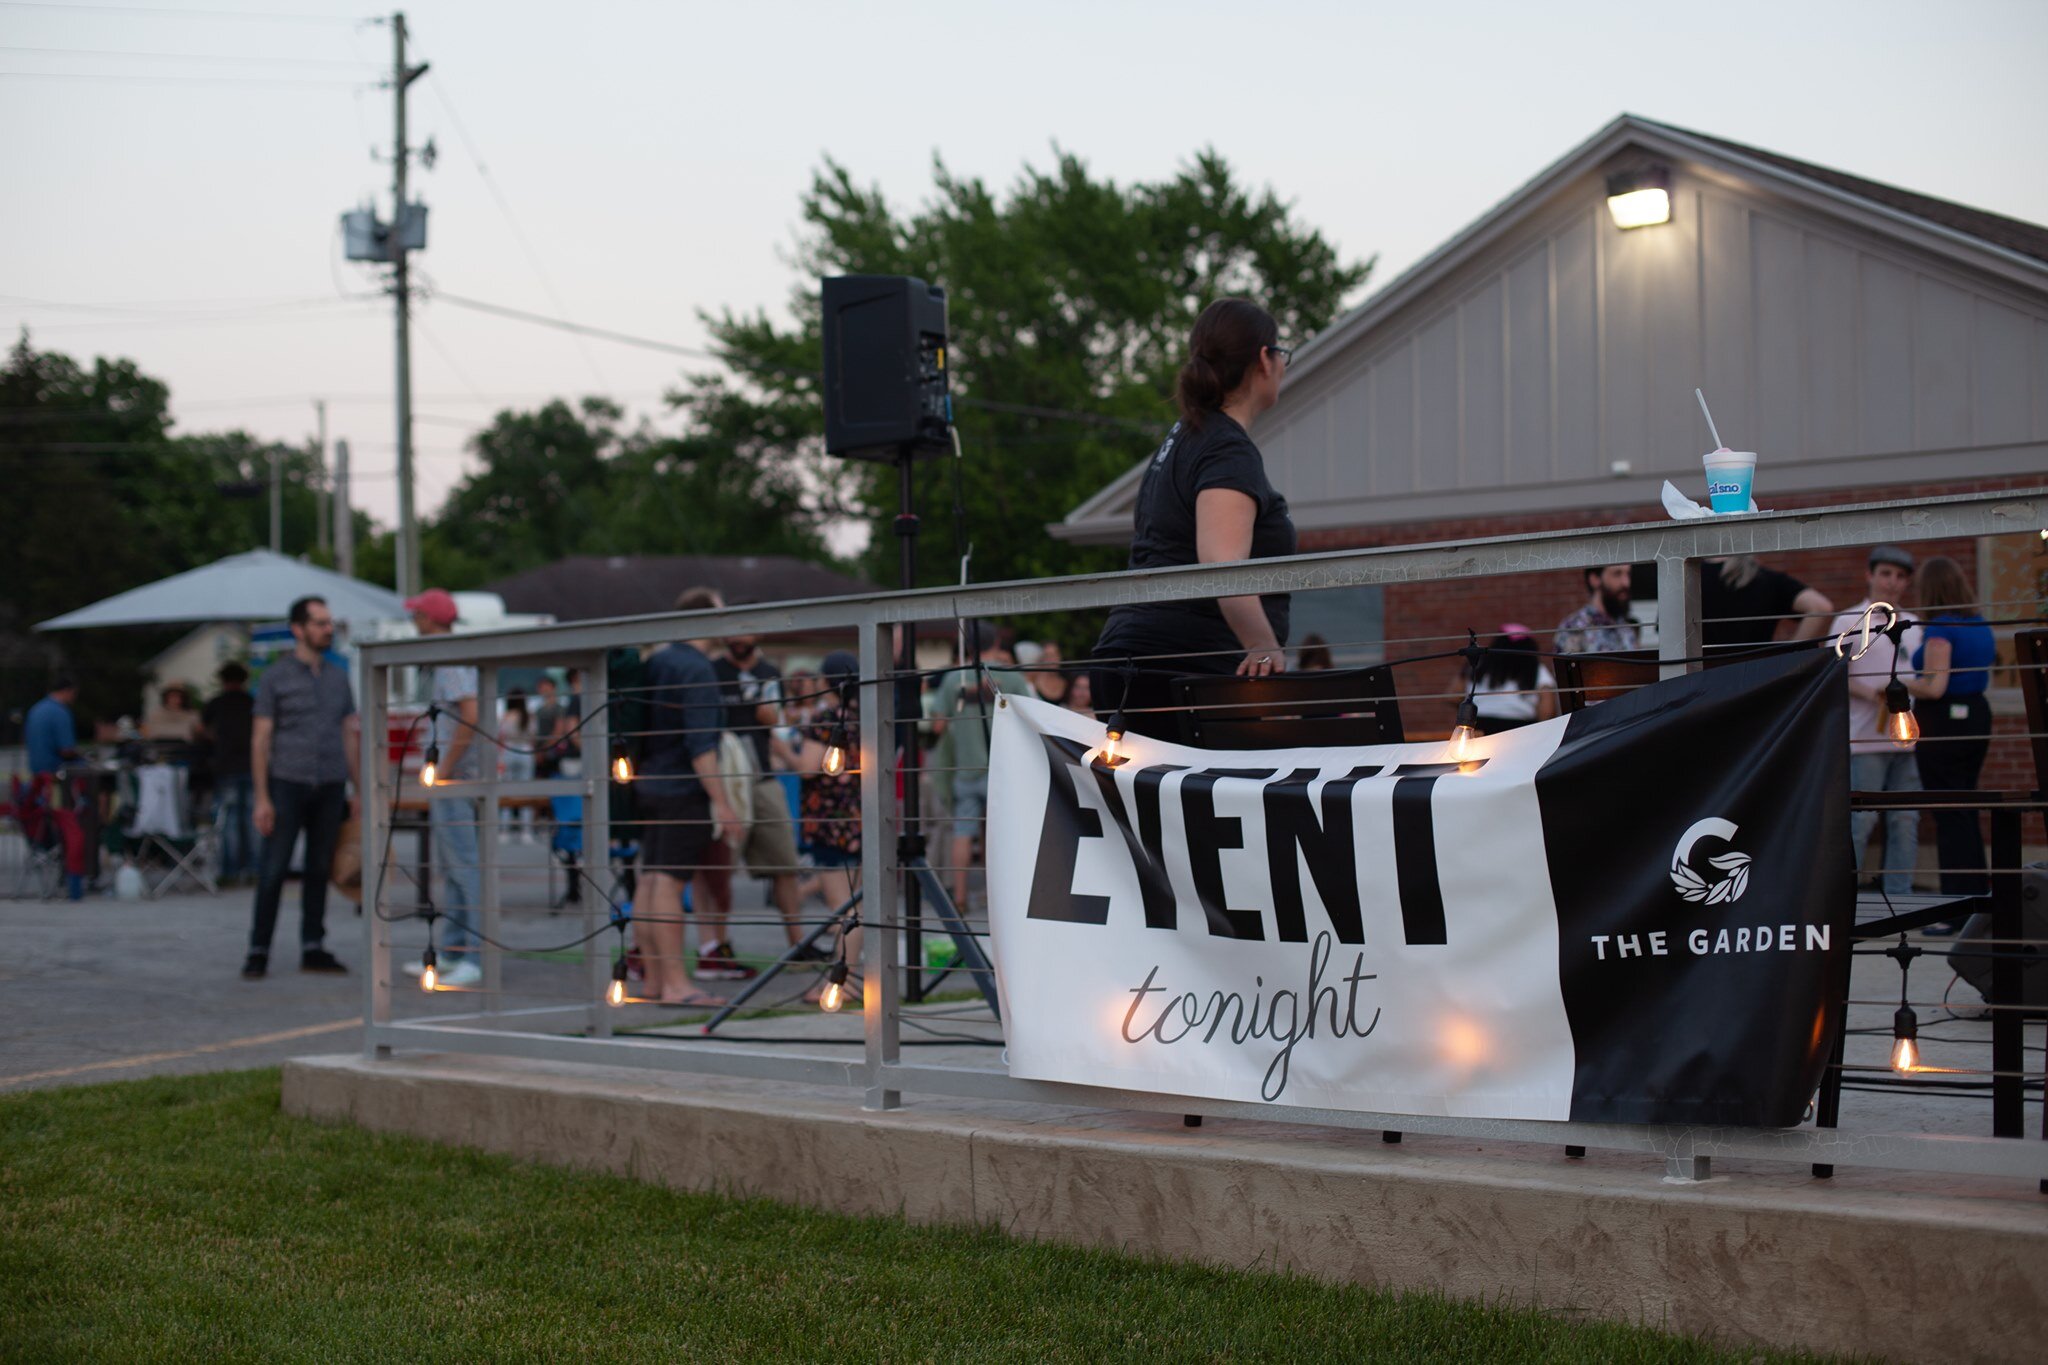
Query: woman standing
x,y
1204,499
1954,667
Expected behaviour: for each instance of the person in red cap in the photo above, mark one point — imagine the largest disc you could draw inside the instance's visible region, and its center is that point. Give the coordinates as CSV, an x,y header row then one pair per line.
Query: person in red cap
x,y
453,819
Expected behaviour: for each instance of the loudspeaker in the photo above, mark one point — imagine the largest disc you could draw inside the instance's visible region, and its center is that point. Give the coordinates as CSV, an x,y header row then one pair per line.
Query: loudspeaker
x,y
1972,958
885,368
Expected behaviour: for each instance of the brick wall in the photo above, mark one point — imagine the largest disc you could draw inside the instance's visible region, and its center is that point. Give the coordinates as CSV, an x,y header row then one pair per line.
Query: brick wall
x,y
1416,612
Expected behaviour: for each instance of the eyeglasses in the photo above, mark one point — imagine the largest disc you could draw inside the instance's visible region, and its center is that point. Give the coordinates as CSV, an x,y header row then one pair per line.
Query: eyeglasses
x,y
1286,353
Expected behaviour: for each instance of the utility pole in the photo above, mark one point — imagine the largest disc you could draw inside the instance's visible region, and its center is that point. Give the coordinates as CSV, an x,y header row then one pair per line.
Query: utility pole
x,y
320,540
403,76
276,502
344,515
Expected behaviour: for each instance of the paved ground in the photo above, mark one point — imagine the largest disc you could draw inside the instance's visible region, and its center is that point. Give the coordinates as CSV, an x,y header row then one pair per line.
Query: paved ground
x,y
103,989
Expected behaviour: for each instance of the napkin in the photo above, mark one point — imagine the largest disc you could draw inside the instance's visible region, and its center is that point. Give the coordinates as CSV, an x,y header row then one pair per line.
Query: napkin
x,y
1683,508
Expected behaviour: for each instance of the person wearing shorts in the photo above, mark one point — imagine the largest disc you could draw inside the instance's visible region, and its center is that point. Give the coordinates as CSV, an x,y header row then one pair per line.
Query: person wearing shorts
x,y
961,720
682,809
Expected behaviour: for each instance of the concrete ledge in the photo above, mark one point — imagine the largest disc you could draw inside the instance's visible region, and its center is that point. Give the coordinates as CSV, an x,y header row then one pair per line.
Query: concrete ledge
x,y
1946,1270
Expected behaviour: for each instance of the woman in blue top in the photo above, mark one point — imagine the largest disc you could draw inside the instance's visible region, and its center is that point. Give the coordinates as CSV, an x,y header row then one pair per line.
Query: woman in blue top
x,y
1204,499
1954,667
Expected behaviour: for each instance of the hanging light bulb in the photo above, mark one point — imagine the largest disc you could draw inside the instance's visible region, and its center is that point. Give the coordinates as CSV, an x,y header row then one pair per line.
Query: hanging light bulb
x,y
622,763
1465,731
430,771
1113,736
617,991
834,995
429,975
835,752
1901,727
1905,1041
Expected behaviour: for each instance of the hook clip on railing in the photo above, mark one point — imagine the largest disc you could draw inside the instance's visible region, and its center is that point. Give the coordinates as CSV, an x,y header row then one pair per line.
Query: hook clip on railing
x,y
1867,636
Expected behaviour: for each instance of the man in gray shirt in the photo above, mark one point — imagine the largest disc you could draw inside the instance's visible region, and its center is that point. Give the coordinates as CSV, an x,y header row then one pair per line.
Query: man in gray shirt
x,y
302,756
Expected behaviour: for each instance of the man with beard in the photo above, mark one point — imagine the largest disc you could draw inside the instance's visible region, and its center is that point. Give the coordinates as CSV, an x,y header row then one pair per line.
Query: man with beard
x,y
1602,625
302,756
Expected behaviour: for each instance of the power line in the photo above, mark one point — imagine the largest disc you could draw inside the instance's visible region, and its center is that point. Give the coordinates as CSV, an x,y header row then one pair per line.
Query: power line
x,y
191,307
141,78
476,159
174,12
221,57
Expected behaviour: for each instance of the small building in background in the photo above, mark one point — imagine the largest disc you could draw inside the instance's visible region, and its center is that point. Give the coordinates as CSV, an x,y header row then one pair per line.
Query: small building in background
x,y
1537,373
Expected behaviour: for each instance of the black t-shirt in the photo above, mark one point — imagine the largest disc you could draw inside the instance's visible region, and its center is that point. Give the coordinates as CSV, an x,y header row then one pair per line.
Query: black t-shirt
x,y
745,689
229,718
1770,593
1217,454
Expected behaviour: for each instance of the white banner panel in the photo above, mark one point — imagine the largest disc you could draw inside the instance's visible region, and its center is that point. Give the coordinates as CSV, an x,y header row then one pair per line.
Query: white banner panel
x,y
1367,928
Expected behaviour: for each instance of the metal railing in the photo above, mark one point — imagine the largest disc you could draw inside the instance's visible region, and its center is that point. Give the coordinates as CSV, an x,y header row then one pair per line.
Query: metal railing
x,y
582,1031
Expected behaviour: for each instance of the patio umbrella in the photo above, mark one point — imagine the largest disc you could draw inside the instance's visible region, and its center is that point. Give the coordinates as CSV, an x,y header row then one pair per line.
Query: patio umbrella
x,y
256,586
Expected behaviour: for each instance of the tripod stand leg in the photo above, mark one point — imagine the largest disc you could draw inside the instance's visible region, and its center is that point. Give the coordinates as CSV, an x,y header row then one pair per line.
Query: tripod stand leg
x,y
971,958
774,969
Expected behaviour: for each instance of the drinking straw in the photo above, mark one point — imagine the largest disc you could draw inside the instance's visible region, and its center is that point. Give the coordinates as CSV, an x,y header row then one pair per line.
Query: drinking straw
x,y
1719,444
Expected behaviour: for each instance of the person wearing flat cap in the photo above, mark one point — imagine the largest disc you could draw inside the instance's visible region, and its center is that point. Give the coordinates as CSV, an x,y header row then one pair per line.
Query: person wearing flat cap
x,y
1875,764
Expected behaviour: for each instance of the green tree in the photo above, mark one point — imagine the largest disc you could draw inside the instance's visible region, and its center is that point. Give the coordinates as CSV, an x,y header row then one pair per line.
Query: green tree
x,y
108,501
1066,295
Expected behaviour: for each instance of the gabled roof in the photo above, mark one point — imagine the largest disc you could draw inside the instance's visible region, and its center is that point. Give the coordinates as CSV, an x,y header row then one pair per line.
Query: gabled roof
x,y
587,587
2005,247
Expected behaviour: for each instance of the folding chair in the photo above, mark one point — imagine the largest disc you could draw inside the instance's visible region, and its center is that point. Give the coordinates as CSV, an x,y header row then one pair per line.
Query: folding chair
x,y
1332,706
163,826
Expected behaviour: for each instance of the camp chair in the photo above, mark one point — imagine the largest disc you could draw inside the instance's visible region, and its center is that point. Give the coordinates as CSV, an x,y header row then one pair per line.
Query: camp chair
x,y
1329,707
163,827
40,875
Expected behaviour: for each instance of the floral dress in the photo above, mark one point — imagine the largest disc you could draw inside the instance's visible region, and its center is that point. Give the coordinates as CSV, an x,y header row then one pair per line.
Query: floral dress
x,y
831,805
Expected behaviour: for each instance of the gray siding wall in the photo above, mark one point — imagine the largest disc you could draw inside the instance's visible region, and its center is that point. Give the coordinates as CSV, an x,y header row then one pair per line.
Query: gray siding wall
x,y
1837,355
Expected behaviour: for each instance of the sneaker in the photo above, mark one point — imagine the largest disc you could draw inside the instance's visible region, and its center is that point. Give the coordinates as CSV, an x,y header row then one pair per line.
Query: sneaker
x,y
254,966
715,962
811,953
320,960
463,973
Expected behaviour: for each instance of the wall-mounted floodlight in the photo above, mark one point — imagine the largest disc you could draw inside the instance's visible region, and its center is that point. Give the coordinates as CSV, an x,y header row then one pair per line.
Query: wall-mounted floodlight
x,y
1640,198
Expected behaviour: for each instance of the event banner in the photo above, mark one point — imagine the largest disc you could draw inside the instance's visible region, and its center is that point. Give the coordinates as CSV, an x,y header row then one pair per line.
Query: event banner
x,y
1636,913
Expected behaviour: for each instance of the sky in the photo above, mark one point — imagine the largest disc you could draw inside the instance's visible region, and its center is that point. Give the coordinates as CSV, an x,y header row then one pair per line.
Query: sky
x,y
171,178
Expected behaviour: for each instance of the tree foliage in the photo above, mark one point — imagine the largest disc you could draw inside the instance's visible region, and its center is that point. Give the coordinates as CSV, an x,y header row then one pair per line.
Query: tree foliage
x,y
104,499
1070,299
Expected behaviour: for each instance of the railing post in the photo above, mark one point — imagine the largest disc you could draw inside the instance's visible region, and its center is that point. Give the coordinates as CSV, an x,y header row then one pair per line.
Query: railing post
x,y
488,918
373,807
597,837
1678,616
880,1005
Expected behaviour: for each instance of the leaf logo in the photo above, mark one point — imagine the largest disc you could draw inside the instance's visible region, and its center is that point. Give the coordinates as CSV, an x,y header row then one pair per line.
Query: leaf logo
x,y
1732,865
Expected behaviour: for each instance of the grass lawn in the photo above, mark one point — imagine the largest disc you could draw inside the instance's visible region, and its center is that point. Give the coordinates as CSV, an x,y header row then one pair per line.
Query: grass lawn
x,y
186,1218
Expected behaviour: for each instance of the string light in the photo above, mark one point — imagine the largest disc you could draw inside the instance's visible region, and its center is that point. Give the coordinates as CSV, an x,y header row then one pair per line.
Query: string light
x,y
429,976
622,762
1905,1041
1905,1024
1466,731
1114,734
617,991
833,997
1901,727
835,752
430,771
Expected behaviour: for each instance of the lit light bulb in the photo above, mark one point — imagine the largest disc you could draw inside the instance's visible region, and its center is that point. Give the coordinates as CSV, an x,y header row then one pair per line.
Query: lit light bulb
x,y
1905,1041
835,759
1114,736
622,765
1901,727
616,993
834,995
1465,731
430,771
429,977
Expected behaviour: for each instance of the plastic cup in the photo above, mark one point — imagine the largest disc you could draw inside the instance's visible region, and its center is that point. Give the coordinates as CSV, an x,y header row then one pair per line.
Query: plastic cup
x,y
1729,475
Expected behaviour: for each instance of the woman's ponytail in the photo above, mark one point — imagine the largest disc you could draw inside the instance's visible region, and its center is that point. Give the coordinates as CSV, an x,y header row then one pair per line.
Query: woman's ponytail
x,y
1224,346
